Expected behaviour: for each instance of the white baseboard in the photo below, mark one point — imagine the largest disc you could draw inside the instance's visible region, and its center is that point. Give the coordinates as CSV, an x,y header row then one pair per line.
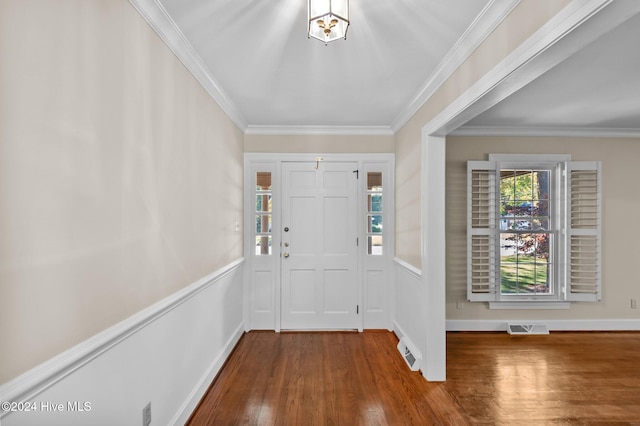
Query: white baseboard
x,y
397,330
166,354
203,384
554,325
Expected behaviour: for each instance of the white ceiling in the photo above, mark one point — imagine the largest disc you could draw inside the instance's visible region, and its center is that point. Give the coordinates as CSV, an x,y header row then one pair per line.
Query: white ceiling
x,y
595,90
258,53
255,59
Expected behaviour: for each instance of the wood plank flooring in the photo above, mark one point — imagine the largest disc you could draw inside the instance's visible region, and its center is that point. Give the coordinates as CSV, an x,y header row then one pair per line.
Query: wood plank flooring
x,y
346,378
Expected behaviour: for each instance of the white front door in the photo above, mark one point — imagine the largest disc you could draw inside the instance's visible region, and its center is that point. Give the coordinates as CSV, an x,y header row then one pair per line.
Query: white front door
x,y
319,246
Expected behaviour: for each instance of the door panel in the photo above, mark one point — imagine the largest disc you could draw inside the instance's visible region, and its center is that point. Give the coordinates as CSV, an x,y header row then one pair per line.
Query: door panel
x,y
335,281
337,240
302,214
319,263
302,291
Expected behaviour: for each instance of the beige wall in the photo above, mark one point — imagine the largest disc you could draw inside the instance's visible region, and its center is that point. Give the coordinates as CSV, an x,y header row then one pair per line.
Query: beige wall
x,y
523,21
620,171
315,144
120,178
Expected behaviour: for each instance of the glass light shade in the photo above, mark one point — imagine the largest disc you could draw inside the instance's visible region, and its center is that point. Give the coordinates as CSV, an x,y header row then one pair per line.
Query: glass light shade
x,y
328,19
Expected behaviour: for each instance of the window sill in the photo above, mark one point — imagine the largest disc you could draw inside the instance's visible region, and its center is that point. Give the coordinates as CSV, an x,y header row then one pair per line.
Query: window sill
x,y
527,304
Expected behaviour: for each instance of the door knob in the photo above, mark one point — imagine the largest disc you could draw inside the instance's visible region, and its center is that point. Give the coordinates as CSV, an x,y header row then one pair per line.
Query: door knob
x,y
286,254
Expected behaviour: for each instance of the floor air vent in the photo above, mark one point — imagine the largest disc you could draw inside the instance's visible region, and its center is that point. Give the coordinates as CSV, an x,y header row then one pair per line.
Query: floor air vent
x,y
410,354
527,329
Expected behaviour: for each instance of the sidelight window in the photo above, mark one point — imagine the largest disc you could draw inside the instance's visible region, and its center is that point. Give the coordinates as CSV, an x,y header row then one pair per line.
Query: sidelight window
x,y
375,213
263,213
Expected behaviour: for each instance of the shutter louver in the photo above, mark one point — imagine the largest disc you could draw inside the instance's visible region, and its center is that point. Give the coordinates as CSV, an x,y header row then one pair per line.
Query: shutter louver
x,y
482,264
481,231
584,233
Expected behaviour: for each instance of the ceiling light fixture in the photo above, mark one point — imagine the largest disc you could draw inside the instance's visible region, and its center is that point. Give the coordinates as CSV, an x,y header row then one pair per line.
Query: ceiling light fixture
x,y
328,19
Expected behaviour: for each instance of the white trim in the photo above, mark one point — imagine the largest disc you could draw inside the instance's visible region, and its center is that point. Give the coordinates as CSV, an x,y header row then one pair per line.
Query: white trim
x,y
283,157
433,217
417,273
484,24
554,325
320,130
536,159
398,331
158,18
565,132
530,305
33,382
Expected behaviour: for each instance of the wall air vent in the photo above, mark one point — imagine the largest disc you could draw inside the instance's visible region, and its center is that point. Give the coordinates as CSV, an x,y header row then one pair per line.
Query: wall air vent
x,y
527,328
409,353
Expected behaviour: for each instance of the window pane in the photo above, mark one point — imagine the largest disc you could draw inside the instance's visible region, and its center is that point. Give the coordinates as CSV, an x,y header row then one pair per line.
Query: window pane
x,y
508,246
524,192
540,224
516,192
375,202
524,263
263,245
263,223
263,203
522,208
541,184
507,195
374,224
508,278
374,181
374,245
263,181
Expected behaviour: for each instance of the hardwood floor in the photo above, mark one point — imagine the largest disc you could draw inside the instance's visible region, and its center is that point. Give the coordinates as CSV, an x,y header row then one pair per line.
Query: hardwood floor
x,y
346,378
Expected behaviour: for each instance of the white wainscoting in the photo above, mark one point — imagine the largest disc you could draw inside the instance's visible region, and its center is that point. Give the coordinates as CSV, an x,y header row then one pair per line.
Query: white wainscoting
x,y
167,354
409,304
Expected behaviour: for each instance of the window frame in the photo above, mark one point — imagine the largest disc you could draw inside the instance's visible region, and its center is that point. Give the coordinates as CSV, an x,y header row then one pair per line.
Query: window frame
x,y
483,232
371,213
556,216
261,214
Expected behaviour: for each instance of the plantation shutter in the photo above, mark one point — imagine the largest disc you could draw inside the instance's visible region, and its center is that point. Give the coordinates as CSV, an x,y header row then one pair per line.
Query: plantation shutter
x,y
584,236
482,233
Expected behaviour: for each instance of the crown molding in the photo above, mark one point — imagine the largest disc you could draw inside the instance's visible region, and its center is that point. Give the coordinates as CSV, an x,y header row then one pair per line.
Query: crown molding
x,y
566,132
158,18
484,24
320,130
